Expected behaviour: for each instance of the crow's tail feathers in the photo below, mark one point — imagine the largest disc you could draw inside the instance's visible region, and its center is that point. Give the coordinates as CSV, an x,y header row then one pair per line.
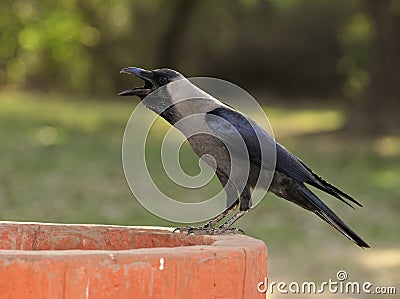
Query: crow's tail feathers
x,y
323,185
326,214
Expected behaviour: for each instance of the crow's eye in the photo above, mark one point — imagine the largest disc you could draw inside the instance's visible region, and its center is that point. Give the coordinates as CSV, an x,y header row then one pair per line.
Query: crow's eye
x,y
163,80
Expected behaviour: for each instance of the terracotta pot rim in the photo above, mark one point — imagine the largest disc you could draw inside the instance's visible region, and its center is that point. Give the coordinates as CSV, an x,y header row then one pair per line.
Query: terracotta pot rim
x,y
229,266
208,242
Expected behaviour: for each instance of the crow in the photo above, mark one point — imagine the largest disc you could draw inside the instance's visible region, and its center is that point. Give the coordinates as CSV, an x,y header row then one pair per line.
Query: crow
x,y
289,174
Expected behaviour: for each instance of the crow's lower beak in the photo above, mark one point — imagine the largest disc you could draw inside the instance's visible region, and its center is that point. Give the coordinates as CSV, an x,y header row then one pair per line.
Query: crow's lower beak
x,y
146,76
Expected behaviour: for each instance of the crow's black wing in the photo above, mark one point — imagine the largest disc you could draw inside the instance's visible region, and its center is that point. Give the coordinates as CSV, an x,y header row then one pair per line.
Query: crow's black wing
x,y
242,133
233,122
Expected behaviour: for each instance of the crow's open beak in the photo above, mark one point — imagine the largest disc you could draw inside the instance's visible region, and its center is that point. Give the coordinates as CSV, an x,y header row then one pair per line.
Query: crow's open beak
x,y
146,76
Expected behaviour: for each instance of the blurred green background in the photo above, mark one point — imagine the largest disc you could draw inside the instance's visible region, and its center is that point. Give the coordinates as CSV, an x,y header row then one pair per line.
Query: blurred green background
x,y
327,73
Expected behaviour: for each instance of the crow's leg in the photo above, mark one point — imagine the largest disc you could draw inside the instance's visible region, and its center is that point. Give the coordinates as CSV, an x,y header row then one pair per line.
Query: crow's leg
x,y
245,203
208,228
232,200
222,215
225,228
232,203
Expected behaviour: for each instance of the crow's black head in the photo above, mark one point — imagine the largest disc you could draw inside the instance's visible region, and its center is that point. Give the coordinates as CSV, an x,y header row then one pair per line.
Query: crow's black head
x,y
152,80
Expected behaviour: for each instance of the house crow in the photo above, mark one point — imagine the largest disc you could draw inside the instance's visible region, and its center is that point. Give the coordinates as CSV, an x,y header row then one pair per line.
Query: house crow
x,y
212,132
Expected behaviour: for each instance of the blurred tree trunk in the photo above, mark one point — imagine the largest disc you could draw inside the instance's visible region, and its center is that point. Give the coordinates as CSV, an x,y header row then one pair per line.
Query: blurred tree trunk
x,y
174,32
378,111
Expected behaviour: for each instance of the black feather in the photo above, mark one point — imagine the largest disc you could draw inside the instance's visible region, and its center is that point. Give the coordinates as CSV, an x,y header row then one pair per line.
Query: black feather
x,y
330,217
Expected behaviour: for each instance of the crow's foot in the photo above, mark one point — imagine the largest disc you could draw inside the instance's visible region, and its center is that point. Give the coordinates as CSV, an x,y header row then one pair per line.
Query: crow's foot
x,y
208,230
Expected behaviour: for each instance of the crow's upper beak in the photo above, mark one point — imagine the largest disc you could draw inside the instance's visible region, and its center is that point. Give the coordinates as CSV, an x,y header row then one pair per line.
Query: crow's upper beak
x,y
146,76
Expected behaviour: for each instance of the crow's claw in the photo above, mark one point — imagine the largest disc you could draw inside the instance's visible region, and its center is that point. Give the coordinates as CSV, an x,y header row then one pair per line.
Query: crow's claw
x,y
234,230
185,229
208,230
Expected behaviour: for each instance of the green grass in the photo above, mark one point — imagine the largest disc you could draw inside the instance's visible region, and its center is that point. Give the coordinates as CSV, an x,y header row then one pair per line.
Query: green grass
x,y
60,161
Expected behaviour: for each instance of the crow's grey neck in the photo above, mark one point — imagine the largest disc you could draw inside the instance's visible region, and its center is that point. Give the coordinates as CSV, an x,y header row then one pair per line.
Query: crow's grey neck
x,y
157,103
180,99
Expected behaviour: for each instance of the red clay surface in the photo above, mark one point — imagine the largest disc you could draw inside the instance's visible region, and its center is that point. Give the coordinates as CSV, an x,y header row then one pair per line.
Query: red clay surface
x,y
96,261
